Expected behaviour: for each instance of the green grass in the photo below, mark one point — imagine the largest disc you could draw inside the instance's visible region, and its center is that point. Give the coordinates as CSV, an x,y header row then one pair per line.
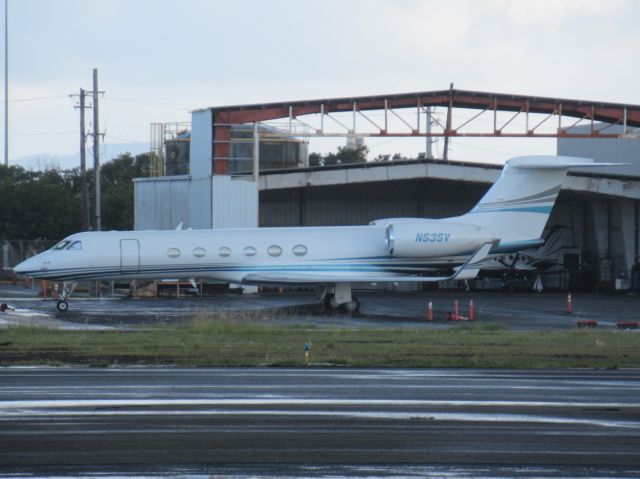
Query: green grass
x,y
220,341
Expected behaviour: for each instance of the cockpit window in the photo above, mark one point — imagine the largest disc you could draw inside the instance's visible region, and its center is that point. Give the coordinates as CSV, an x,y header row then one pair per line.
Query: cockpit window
x,y
62,245
76,245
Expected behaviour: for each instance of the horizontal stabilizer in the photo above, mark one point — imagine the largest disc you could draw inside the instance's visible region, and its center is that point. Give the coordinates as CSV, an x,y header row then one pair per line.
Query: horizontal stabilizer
x,y
471,268
555,162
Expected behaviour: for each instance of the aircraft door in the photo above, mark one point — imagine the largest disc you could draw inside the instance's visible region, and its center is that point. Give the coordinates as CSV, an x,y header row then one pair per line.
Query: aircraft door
x,y
129,256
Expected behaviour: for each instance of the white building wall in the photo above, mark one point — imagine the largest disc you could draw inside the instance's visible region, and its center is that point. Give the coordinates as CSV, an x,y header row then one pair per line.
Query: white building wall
x,y
198,203
235,202
201,150
161,203
201,201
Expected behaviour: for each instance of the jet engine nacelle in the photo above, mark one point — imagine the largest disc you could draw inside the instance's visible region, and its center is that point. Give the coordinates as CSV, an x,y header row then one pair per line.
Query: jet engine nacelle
x,y
429,238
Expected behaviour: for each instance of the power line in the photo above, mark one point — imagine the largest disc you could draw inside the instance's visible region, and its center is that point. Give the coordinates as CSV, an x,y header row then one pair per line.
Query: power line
x,y
152,105
131,140
43,133
35,98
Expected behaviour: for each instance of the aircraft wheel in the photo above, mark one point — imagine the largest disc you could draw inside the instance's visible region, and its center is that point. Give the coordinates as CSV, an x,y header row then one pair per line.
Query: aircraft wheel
x,y
330,301
62,306
352,306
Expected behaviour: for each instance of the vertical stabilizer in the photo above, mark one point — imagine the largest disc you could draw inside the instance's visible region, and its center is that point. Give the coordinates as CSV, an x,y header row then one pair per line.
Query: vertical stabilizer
x,y
517,206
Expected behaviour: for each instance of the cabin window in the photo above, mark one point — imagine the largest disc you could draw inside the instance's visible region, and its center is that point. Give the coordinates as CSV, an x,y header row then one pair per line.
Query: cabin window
x,y
173,252
61,245
299,250
76,245
224,251
199,252
249,251
274,250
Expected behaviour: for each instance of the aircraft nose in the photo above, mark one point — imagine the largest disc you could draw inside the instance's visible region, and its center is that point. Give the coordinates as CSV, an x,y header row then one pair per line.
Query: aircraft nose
x,y
24,266
29,266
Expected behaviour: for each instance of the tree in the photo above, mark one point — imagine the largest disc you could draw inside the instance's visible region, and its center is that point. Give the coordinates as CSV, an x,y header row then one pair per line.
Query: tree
x,y
315,159
344,156
37,205
117,189
46,204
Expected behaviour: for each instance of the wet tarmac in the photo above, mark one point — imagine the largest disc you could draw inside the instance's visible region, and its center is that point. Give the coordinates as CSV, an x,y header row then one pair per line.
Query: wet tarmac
x,y
155,422
242,423
515,311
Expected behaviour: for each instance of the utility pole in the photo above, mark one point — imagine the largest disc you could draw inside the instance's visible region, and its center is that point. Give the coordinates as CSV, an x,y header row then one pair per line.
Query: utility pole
x,y
4,249
6,82
85,206
96,149
84,194
447,131
84,191
429,150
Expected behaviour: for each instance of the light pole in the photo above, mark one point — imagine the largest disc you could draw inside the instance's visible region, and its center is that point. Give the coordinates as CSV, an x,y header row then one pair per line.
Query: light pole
x,y
6,82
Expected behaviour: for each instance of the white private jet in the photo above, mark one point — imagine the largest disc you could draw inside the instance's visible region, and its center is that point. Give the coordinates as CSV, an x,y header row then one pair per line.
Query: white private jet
x,y
509,217
531,259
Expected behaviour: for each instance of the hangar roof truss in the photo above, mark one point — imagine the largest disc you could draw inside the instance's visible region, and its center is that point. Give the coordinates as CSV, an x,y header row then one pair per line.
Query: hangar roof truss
x,y
513,116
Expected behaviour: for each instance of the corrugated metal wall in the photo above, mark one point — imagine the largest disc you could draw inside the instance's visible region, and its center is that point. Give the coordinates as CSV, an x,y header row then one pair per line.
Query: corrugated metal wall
x,y
161,203
235,202
362,203
625,150
200,214
199,203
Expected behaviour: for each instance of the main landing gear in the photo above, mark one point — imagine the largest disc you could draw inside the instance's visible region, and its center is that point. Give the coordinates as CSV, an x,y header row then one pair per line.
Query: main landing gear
x,y
67,290
340,297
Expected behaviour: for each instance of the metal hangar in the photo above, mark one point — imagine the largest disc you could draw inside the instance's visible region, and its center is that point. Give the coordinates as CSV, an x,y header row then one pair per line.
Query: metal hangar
x,y
248,165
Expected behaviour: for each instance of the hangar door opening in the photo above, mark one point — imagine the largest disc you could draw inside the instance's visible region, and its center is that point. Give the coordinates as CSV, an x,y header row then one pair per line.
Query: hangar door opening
x,y
129,256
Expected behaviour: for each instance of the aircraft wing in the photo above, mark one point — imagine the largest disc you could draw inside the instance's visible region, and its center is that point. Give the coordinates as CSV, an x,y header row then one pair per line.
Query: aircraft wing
x,y
310,278
468,270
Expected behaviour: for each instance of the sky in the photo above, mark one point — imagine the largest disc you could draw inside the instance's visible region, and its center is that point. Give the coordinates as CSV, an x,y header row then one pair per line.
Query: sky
x,y
160,59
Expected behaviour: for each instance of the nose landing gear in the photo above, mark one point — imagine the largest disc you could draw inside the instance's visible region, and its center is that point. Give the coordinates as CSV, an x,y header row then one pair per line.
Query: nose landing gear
x,y
67,290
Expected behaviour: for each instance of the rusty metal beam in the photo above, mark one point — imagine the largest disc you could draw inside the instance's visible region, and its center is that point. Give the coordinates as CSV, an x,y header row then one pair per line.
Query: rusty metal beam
x,y
602,111
487,134
581,110
221,143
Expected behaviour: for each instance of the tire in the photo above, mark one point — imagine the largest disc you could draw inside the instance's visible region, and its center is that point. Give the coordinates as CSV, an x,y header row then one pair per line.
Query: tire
x,y
330,302
62,306
352,306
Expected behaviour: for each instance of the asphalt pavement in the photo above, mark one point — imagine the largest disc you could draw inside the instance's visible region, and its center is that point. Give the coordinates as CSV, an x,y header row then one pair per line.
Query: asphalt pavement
x,y
515,311
319,423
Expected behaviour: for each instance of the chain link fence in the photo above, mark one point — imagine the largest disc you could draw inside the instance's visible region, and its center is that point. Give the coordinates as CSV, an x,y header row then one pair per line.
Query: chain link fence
x,y
13,252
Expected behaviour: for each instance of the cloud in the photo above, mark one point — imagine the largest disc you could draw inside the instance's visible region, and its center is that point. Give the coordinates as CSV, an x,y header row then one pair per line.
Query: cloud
x,y
200,53
554,14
